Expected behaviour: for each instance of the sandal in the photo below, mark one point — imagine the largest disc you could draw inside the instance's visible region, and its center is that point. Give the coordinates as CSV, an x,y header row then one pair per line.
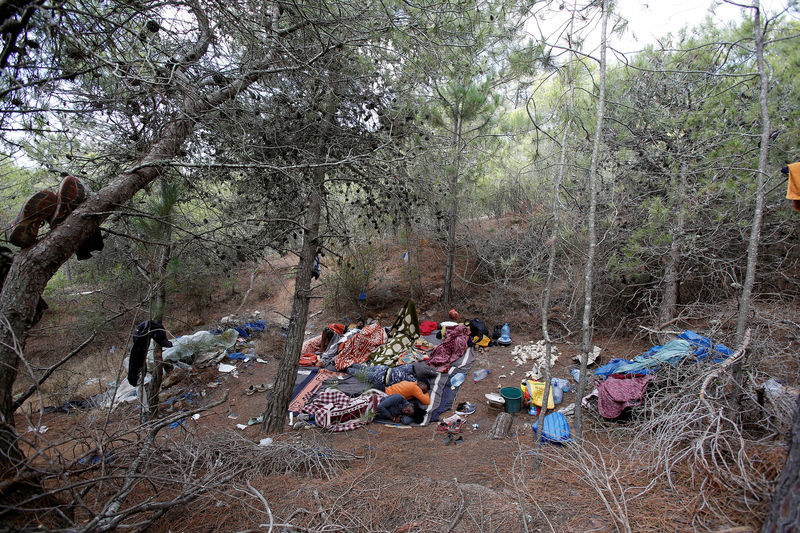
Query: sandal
x,y
252,389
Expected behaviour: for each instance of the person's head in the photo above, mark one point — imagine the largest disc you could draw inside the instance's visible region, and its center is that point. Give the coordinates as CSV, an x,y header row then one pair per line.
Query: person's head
x,y
327,335
424,386
408,409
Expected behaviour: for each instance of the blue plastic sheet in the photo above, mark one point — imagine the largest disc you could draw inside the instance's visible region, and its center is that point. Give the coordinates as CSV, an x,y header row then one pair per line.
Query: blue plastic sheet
x,y
703,347
688,343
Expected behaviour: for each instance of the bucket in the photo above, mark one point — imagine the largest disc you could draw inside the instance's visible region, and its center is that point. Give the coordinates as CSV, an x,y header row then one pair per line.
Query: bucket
x,y
513,398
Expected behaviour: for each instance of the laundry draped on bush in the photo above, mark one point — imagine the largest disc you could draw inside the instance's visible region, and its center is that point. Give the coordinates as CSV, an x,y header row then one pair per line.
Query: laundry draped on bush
x,y
618,392
147,330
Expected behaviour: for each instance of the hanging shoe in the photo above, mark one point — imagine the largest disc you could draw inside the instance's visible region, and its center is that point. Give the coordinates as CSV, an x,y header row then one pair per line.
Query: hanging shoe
x,y
38,208
71,193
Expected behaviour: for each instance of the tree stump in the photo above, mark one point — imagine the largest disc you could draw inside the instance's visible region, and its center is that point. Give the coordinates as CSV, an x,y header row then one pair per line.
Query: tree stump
x,y
502,424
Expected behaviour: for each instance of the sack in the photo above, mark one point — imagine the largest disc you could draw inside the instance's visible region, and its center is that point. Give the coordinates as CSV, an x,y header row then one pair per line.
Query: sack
x,y
533,391
555,429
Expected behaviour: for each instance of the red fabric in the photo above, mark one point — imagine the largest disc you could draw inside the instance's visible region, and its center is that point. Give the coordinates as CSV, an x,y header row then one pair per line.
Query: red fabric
x,y
427,327
357,349
453,347
337,328
620,391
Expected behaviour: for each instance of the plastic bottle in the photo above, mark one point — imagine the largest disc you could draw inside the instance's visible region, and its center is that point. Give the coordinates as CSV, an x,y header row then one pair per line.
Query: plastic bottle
x,y
456,380
557,393
505,335
480,374
562,384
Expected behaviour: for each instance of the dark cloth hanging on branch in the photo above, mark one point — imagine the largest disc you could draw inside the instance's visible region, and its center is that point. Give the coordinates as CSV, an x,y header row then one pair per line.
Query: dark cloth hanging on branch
x,y
147,330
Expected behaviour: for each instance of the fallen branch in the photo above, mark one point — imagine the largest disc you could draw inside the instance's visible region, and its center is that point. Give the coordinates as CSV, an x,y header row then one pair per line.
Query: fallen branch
x,y
728,362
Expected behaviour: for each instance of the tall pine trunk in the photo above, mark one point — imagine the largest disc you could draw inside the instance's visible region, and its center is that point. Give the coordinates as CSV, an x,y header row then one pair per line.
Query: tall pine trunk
x,y
669,301
590,227
452,217
745,302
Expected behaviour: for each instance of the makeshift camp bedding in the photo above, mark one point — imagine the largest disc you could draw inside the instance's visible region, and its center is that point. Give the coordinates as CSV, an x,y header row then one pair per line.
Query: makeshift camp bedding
x,y
441,393
402,336
335,411
305,389
357,348
452,348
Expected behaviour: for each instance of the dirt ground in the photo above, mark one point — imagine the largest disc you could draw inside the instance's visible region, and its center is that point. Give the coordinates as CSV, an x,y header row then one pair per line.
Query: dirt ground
x,y
408,479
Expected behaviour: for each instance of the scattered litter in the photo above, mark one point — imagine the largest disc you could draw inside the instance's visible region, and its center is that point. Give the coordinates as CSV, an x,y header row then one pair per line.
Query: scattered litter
x,y
256,420
196,416
556,429
241,426
176,424
266,441
576,374
592,356
41,430
568,410
480,374
233,416
228,369
465,408
259,360
501,376
199,347
536,352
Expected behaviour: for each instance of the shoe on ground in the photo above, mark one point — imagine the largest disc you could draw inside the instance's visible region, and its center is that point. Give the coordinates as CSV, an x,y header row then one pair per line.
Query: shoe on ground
x,y
71,193
35,211
465,408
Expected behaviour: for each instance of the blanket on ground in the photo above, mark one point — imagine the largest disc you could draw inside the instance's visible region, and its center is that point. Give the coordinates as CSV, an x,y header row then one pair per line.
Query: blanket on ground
x,y
442,392
335,411
357,348
452,347
305,389
402,336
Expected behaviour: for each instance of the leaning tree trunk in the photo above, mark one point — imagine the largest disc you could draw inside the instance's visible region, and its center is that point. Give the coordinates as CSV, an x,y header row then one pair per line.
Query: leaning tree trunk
x,y
33,267
745,303
589,271
278,401
784,513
